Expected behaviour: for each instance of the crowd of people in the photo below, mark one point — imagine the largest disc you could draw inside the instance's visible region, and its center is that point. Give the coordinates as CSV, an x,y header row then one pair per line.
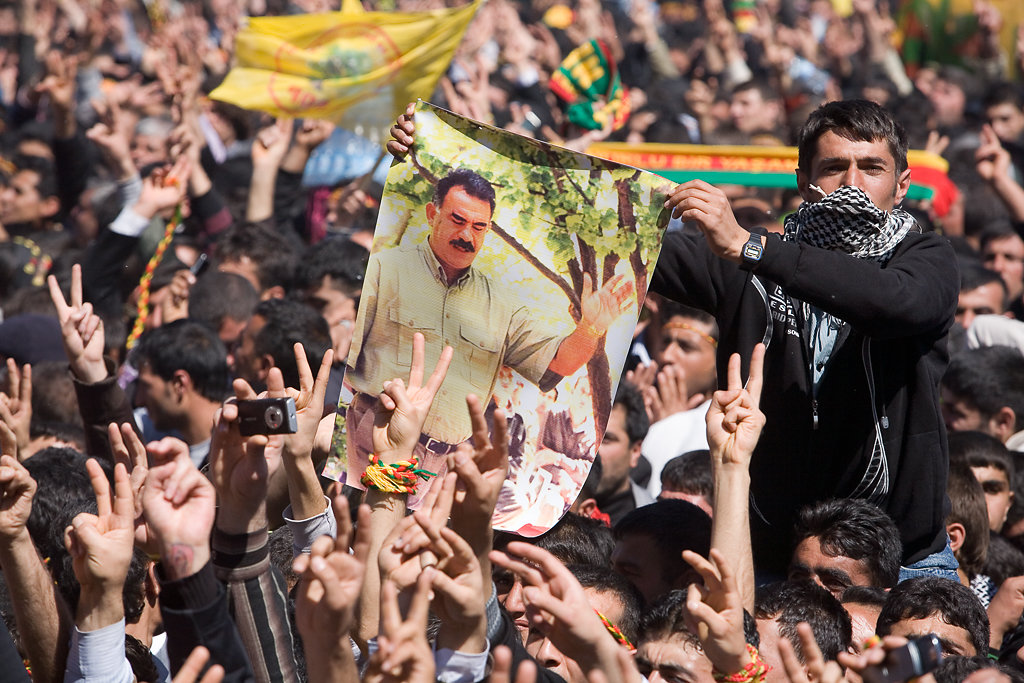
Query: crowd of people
x,y
810,461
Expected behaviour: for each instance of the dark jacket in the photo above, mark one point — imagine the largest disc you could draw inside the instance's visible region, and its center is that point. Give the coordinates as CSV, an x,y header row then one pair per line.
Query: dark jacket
x,y
874,429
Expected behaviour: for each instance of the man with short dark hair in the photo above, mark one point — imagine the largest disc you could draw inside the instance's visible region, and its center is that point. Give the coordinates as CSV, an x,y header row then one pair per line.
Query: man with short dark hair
x,y
983,390
260,255
223,302
929,604
270,337
617,494
610,596
29,202
330,276
649,543
779,607
1002,250
982,292
689,477
846,542
853,303
183,378
755,107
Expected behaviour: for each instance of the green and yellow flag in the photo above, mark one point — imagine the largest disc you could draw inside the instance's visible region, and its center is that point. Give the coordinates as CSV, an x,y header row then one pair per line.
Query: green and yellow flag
x,y
358,69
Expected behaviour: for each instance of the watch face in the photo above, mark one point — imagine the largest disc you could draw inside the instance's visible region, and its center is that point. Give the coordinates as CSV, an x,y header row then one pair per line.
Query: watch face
x,y
752,251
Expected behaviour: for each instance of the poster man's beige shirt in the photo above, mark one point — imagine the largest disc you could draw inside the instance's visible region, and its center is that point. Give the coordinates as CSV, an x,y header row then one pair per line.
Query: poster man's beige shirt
x,y
405,292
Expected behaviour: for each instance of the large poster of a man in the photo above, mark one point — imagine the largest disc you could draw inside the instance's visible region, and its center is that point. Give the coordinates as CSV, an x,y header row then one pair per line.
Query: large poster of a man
x,y
531,262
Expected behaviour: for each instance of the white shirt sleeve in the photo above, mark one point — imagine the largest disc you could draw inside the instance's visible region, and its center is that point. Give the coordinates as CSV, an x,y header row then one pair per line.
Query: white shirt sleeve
x,y
460,667
99,656
305,531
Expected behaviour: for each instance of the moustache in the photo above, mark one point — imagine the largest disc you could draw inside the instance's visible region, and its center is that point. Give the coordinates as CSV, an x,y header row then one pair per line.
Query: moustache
x,y
463,245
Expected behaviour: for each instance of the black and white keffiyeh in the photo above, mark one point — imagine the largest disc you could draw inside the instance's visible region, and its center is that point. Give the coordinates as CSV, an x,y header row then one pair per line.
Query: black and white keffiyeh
x,y
847,220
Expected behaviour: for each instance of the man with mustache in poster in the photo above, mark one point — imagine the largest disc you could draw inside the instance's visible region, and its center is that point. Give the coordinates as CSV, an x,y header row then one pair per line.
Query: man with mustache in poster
x,y
432,288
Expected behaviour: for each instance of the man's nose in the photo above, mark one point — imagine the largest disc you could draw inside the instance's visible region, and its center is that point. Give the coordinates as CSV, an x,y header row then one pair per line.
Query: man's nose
x,y
514,603
853,176
548,655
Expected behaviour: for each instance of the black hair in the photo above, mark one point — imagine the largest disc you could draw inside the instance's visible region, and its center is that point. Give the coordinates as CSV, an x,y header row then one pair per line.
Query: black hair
x,y
604,580
44,168
1005,558
854,528
689,473
668,309
288,322
1003,93
472,182
63,491
666,618
978,449
218,295
926,596
53,394
340,258
974,275
73,434
767,92
998,231
282,554
61,480
189,346
957,669
675,525
140,659
864,595
637,421
273,255
968,508
575,539
858,120
790,602
989,379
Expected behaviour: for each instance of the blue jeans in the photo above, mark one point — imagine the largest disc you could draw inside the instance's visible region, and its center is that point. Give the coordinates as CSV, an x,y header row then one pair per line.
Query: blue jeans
x,y
942,563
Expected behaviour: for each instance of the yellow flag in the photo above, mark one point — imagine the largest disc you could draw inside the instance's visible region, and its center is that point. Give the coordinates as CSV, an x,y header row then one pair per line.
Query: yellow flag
x,y
358,69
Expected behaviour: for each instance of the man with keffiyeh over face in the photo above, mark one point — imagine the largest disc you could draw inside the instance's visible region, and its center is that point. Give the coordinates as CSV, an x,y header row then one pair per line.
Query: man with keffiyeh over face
x,y
853,303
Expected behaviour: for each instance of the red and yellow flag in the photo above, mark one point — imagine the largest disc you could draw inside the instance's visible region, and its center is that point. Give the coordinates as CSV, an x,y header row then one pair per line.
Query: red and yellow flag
x,y
358,69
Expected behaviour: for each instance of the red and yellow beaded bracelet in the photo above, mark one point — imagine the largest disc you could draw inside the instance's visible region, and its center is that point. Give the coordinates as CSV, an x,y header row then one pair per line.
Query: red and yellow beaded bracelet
x,y
618,635
398,478
142,309
753,672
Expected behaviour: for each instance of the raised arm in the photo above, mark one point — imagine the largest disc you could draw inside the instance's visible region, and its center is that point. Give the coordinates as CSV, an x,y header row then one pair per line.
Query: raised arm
x,y
398,421
101,547
734,425
44,622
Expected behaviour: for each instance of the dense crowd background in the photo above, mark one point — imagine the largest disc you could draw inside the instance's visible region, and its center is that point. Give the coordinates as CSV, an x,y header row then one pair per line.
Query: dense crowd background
x,y
116,573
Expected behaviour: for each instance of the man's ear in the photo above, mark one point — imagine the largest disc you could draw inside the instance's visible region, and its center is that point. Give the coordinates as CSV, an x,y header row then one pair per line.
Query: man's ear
x,y
431,212
902,186
803,186
265,362
50,206
635,452
957,535
586,507
1003,424
181,383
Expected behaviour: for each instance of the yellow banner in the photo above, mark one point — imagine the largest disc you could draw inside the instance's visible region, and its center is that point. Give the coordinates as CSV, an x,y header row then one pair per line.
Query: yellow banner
x,y
358,69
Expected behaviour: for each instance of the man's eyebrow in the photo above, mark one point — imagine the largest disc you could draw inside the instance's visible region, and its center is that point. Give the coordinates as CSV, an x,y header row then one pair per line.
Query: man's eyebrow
x,y
676,670
837,575
950,647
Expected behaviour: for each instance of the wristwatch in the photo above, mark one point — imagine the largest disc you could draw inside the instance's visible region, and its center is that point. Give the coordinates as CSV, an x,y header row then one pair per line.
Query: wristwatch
x,y
751,252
